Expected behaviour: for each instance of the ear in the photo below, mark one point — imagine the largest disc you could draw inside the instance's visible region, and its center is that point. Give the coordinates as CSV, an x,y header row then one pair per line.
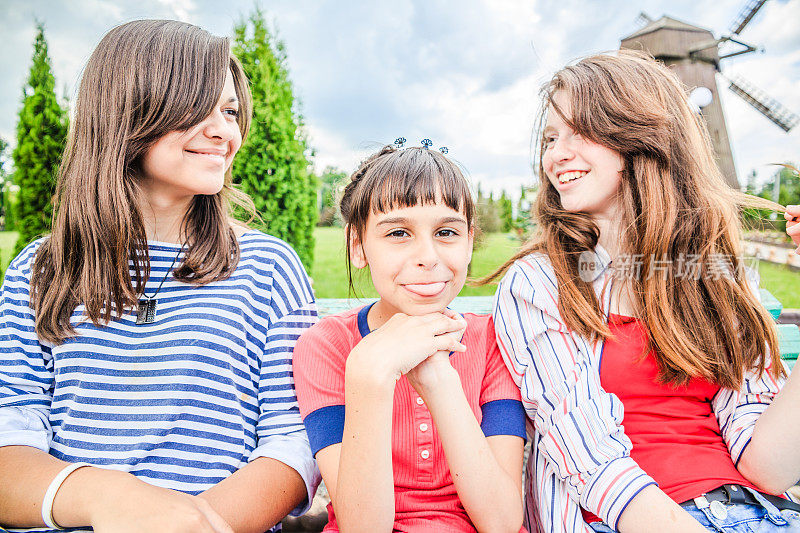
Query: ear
x,y
357,257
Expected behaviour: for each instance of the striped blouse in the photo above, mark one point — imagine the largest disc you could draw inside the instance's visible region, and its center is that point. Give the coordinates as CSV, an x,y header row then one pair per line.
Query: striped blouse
x,y
580,453
181,403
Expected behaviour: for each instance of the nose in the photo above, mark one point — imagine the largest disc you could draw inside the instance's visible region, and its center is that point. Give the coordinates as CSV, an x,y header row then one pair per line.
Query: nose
x,y
426,254
561,150
217,127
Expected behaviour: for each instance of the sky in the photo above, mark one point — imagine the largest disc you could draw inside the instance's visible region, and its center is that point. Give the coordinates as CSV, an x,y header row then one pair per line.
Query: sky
x,y
463,73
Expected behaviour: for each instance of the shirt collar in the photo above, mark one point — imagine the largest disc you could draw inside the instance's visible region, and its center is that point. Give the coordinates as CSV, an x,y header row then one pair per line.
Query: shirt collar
x,y
593,264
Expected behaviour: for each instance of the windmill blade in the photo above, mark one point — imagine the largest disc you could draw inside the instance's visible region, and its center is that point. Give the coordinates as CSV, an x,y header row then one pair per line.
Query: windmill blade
x,y
643,19
746,15
767,106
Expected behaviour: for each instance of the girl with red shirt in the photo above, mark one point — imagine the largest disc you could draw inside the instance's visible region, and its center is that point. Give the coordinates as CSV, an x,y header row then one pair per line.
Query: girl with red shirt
x,y
412,416
649,368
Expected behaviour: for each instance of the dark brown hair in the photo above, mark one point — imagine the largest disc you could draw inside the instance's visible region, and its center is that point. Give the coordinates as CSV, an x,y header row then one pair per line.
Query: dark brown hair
x,y
392,178
146,78
675,203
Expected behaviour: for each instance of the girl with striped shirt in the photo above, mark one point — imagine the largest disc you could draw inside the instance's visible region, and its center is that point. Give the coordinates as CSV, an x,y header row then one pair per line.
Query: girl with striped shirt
x,y
145,382
413,417
648,368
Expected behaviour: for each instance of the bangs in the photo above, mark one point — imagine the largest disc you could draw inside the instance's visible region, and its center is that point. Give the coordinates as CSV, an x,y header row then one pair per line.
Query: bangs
x,y
180,71
186,92
416,176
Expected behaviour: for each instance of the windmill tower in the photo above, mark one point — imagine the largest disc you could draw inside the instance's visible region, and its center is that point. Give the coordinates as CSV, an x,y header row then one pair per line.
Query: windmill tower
x,y
695,54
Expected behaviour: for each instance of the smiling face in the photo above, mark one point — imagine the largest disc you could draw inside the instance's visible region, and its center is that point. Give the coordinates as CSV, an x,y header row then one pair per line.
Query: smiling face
x,y
185,163
586,175
417,256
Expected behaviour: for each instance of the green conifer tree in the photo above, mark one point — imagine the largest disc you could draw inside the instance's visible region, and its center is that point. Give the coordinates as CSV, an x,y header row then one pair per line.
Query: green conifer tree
x,y
330,182
41,136
272,166
506,208
4,186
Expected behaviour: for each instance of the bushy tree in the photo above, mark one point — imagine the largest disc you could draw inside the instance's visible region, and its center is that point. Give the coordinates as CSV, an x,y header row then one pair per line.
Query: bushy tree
x,y
332,178
506,210
41,136
272,166
788,194
487,213
4,186
523,223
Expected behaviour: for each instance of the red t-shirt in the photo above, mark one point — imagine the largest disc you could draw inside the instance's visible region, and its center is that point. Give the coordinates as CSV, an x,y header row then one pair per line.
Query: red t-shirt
x,y
675,434
425,496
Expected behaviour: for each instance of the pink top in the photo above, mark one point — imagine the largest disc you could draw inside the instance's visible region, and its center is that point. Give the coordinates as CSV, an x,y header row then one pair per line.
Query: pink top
x,y
425,497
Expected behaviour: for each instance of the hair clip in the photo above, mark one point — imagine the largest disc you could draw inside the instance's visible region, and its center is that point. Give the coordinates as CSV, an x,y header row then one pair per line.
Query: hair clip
x,y
399,142
443,149
427,143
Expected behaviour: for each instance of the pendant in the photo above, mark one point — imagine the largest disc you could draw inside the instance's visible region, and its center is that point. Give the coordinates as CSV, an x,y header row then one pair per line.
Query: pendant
x,y
146,311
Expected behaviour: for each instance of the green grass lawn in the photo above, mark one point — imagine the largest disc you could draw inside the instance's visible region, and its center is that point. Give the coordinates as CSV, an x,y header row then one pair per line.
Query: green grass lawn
x,y
8,239
330,276
783,282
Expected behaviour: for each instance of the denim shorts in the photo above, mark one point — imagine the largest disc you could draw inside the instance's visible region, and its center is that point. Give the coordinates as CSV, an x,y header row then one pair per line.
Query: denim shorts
x,y
738,518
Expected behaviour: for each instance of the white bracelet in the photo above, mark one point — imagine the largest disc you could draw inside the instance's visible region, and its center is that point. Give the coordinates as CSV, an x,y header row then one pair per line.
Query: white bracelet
x,y
50,494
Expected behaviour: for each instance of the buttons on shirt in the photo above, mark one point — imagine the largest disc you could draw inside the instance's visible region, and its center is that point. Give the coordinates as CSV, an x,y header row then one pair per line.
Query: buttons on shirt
x,y
423,427
425,454
419,400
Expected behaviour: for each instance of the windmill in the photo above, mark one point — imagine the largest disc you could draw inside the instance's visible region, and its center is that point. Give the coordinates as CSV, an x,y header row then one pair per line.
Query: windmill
x,y
694,53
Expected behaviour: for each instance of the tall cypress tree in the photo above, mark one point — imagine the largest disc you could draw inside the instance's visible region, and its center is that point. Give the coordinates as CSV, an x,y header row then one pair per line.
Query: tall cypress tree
x,y
4,182
272,166
41,136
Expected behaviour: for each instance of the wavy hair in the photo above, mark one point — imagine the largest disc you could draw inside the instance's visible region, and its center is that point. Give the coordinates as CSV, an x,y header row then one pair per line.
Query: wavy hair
x,y
675,205
145,78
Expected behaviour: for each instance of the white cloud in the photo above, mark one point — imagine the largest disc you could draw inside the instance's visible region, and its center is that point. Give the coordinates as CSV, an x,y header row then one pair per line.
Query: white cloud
x,y
182,9
465,74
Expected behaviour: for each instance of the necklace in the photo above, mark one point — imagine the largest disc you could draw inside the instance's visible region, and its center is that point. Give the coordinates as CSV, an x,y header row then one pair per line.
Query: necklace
x,y
146,309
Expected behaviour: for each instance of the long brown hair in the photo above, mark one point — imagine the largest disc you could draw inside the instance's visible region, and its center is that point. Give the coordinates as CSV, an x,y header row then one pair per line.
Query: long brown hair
x,y
145,79
392,178
675,205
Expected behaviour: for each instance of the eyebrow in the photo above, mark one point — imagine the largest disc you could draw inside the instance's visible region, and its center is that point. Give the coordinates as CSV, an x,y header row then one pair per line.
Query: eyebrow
x,y
232,100
403,220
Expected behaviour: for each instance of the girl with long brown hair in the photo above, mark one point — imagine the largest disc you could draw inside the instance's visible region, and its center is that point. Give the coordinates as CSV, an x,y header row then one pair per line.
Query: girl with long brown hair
x,y
648,367
145,382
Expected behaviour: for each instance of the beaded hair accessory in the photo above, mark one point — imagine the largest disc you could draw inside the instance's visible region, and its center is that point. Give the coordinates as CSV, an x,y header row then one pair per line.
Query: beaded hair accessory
x,y
426,143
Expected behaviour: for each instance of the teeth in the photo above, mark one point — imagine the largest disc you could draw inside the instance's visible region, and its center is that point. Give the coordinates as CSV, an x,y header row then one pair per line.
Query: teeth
x,y
218,157
569,176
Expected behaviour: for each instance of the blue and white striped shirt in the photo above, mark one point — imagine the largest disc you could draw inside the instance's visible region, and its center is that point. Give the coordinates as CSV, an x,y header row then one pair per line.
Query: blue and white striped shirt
x,y
183,402
580,454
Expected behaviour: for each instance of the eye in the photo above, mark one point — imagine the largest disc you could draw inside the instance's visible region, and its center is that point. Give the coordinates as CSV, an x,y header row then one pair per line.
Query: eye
x,y
231,112
397,233
548,140
447,232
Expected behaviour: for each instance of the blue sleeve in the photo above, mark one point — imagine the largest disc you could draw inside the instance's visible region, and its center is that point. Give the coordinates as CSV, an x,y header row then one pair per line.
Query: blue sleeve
x,y
503,417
